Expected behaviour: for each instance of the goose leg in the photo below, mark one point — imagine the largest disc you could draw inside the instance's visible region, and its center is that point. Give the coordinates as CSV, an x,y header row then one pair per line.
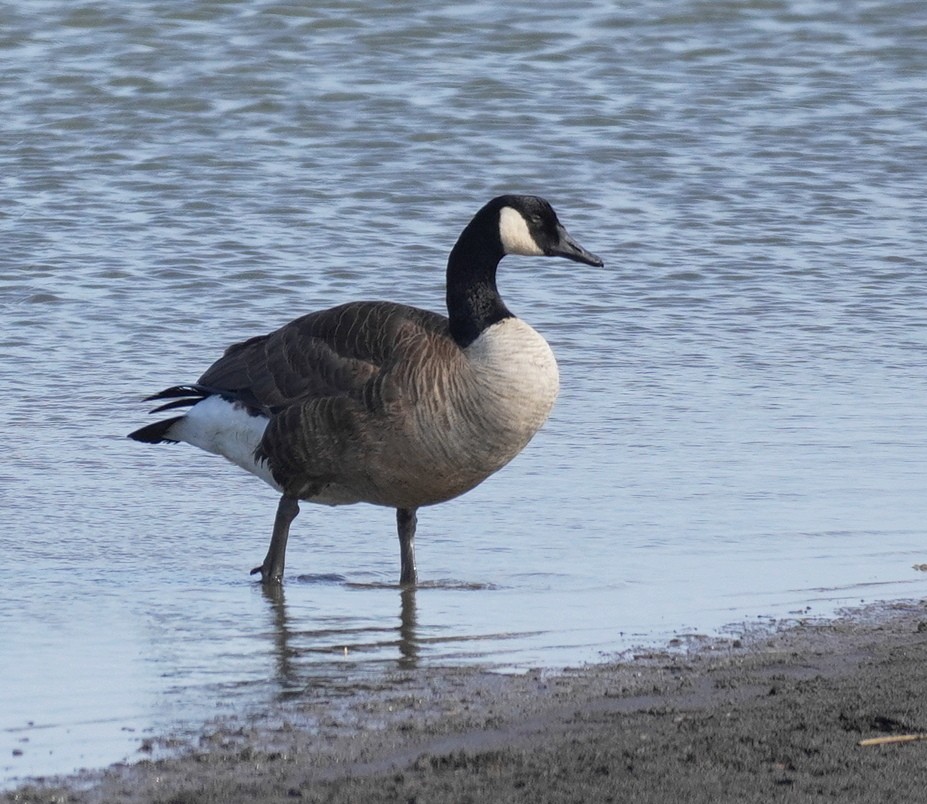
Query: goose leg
x,y
272,568
405,523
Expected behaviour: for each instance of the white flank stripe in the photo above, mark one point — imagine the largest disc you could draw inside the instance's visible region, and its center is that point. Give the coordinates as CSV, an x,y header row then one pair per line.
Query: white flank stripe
x,y
226,429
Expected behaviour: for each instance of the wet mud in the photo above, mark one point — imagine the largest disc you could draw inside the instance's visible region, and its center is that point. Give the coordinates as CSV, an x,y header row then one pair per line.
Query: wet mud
x,y
766,716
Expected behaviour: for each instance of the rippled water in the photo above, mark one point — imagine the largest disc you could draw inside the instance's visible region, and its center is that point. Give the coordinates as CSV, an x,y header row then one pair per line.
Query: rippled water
x,y
741,431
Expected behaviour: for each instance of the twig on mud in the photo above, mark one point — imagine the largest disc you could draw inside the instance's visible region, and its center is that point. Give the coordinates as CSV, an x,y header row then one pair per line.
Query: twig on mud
x,y
893,738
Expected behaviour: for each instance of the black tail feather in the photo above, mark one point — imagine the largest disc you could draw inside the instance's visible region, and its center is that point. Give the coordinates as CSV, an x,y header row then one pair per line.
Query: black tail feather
x,y
156,433
179,390
181,396
177,403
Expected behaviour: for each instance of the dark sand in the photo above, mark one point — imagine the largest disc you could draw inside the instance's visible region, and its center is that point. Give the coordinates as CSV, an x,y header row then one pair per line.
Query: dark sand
x,y
765,718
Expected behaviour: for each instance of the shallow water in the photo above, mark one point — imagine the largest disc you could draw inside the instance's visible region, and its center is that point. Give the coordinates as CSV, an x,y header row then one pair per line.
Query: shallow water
x,y
741,432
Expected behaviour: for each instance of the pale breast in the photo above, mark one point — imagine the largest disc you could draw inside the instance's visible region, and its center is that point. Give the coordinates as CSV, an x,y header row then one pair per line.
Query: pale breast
x,y
516,374
486,410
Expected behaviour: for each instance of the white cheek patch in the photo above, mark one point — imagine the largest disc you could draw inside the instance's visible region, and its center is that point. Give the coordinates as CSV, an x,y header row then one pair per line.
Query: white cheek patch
x,y
516,238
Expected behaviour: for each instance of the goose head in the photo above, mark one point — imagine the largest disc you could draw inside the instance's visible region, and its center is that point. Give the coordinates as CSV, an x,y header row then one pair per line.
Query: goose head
x,y
528,225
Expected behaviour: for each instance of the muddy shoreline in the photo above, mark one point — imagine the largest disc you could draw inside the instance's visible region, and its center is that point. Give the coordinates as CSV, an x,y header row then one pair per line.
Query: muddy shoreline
x,y
764,717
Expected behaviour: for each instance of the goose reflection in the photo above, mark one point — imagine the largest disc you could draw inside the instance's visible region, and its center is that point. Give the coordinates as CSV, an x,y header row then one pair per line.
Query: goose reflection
x,y
306,655
408,629
284,653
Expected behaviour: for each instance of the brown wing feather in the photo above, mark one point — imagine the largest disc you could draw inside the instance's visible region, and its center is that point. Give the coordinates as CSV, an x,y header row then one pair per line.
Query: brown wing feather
x,y
331,381
333,352
366,445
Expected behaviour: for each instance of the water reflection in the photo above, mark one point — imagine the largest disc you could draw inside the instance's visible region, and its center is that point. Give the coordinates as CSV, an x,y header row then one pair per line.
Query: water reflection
x,y
293,642
281,633
408,630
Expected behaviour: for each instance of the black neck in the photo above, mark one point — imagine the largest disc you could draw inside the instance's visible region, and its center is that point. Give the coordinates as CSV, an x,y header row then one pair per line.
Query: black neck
x,y
473,302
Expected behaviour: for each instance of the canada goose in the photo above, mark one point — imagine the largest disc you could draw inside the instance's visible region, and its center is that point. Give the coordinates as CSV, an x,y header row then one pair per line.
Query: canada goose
x,y
383,403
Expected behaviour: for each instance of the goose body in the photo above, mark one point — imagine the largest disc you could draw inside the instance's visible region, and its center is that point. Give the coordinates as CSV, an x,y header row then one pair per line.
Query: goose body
x,y
384,403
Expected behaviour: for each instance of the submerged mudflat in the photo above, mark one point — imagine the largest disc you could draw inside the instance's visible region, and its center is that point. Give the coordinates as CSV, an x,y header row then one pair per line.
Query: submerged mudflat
x,y
765,716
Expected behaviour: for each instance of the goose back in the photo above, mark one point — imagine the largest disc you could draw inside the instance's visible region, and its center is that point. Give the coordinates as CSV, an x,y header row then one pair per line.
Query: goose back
x,y
329,352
